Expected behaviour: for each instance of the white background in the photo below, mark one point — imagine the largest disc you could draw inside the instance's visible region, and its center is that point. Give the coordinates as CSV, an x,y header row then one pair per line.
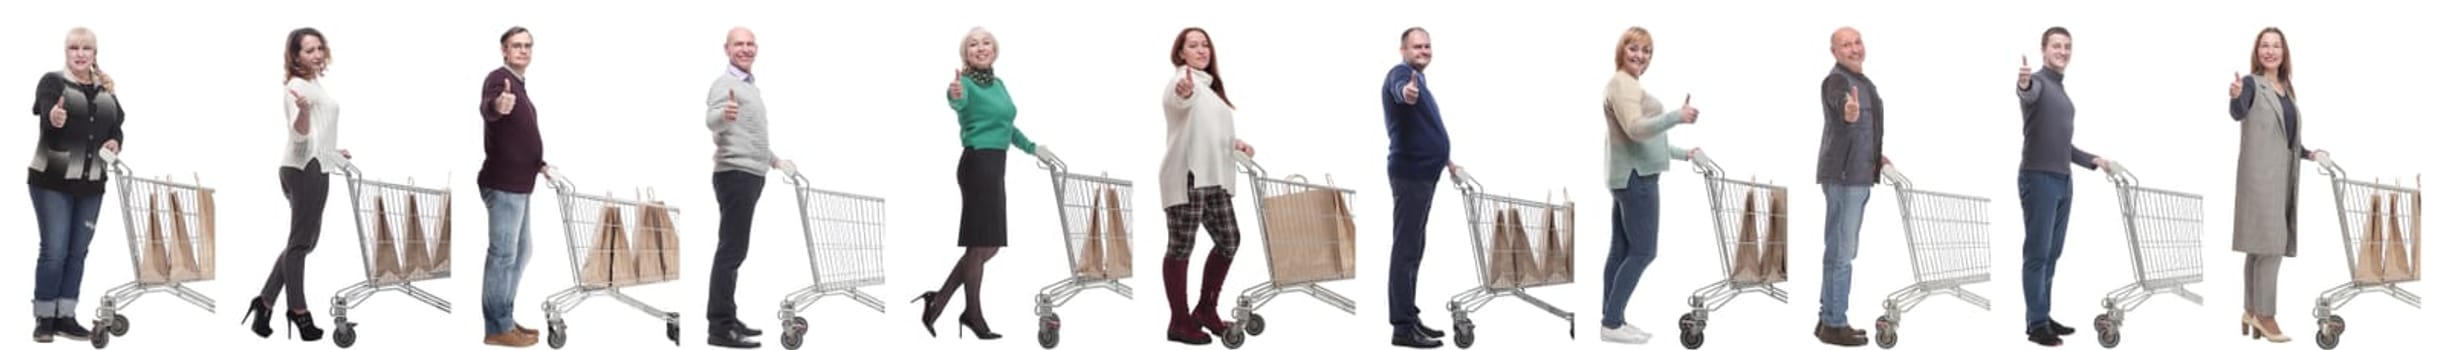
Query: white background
x,y
856,91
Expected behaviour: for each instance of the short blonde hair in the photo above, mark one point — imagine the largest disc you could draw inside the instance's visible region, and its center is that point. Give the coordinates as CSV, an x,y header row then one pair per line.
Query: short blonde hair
x,y
1621,48
989,40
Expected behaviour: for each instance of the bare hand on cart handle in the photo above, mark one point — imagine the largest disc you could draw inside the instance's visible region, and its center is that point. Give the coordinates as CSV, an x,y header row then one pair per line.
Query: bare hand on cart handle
x,y
2102,164
1243,148
1694,153
59,113
1187,85
1850,106
112,145
506,102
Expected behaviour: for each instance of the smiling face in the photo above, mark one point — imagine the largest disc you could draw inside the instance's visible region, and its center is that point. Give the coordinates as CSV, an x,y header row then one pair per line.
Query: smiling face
x,y
980,49
1196,51
518,50
742,48
311,56
81,51
2058,51
1849,50
2270,54
1637,51
1417,48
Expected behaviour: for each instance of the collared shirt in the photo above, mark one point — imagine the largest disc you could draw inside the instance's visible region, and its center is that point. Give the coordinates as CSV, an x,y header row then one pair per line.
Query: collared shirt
x,y
742,74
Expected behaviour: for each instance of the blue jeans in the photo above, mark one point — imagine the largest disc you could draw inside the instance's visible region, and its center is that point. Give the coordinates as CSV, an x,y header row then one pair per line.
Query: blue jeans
x,y
1635,214
1845,206
2045,215
511,243
1411,201
66,226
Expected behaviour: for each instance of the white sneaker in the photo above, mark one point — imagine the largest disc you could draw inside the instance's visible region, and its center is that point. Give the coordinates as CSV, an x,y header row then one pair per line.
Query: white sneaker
x,y
1626,334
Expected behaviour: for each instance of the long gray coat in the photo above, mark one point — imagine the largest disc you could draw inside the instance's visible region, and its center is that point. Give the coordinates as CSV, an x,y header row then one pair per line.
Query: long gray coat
x,y
2266,189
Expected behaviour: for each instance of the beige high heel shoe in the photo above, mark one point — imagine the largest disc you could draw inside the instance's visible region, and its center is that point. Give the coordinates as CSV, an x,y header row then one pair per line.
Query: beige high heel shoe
x,y
2258,328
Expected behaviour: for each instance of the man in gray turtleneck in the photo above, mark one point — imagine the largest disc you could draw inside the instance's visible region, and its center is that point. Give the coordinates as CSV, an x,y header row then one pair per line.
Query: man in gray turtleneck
x,y
2045,181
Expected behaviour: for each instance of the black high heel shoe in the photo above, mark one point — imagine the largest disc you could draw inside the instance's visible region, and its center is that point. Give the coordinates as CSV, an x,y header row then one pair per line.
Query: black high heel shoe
x,y
932,312
261,317
974,323
302,324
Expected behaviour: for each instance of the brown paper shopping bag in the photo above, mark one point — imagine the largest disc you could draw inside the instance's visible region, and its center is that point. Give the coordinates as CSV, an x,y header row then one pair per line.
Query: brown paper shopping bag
x,y
1091,247
1558,245
657,245
1309,232
386,244
1777,258
2399,263
1116,237
182,248
154,266
1501,270
1745,262
609,263
2370,265
441,239
418,261
204,233
1524,257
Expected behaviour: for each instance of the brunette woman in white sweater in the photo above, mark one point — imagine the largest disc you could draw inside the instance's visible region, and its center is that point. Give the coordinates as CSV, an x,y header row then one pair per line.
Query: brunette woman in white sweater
x,y
1197,184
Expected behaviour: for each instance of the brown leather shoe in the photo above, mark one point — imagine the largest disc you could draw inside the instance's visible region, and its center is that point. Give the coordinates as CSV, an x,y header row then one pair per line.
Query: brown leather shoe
x,y
1840,336
510,339
521,329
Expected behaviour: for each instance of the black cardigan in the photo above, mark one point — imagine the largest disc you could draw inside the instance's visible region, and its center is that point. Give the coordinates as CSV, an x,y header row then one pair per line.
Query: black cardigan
x,y
68,158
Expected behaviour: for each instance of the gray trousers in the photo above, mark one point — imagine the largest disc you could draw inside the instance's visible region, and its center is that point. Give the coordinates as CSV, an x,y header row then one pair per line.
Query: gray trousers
x,y
2258,283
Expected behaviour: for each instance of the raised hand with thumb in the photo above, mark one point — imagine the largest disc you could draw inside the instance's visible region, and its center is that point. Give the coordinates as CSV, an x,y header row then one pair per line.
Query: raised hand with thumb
x,y
957,91
1188,82
1850,106
59,113
506,102
2236,91
1689,113
2024,72
730,108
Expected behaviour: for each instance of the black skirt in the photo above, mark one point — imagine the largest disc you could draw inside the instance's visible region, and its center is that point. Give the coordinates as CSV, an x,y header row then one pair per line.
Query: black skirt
x,y
984,220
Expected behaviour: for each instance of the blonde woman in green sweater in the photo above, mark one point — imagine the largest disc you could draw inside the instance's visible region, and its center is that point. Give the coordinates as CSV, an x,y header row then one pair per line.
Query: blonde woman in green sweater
x,y
986,132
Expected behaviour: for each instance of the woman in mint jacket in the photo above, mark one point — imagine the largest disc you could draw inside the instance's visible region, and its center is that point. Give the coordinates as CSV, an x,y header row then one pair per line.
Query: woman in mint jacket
x,y
1636,152
986,132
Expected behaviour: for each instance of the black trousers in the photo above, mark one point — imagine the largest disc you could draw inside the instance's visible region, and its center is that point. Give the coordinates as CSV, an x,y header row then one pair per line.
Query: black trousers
x,y
308,189
736,192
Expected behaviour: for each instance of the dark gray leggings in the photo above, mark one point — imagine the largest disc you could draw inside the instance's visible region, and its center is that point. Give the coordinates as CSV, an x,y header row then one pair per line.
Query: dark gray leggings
x,y
308,189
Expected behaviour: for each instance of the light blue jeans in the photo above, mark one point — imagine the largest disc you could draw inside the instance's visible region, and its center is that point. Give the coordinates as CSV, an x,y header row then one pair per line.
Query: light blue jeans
x,y
505,259
65,223
1845,206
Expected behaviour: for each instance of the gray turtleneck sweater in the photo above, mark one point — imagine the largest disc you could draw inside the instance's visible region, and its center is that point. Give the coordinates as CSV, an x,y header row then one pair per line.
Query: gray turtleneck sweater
x,y
2046,126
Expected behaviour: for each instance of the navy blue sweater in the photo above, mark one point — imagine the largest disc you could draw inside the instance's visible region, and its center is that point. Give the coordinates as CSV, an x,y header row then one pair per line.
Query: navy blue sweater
x,y
1420,148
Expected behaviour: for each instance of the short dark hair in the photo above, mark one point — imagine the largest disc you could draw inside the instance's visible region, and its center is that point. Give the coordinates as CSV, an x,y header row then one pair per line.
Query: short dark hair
x,y
2050,33
1412,30
513,31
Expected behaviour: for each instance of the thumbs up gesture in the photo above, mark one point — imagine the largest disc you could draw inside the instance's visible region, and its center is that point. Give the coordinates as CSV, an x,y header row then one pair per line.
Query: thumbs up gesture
x,y
59,113
958,92
2236,92
506,102
2024,72
1689,113
730,109
1409,93
1188,82
1850,106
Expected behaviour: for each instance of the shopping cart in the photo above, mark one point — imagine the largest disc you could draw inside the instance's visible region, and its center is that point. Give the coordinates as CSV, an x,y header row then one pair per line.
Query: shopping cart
x,y
578,213
189,205
2354,213
1726,198
1537,222
2164,228
1249,322
1948,249
384,209
1075,199
844,235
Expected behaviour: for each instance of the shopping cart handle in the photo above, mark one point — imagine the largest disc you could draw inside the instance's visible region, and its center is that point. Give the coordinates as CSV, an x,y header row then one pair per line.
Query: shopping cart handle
x,y
1249,162
1465,182
348,167
1894,175
1046,159
558,181
2327,166
1706,165
112,158
2114,171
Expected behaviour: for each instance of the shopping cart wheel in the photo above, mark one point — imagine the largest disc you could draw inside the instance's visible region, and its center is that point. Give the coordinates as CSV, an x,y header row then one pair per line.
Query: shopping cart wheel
x,y
672,330
1693,331
794,333
1886,336
345,335
556,334
2109,331
2330,332
1235,335
1256,324
1048,331
118,325
1464,333
100,339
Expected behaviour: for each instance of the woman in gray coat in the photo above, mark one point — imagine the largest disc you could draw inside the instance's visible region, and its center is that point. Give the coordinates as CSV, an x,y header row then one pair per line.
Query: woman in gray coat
x,y
2267,184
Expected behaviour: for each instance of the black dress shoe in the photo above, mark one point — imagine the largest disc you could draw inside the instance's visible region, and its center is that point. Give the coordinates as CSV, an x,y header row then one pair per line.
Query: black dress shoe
x,y
731,339
1415,339
68,328
2059,328
43,331
1429,332
742,328
2044,336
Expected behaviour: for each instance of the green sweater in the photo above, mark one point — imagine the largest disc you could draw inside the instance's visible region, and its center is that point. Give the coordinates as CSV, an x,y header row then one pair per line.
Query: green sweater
x,y
986,117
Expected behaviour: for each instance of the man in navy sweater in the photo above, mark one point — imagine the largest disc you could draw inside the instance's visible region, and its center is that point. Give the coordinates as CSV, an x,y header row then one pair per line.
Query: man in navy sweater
x,y
1421,151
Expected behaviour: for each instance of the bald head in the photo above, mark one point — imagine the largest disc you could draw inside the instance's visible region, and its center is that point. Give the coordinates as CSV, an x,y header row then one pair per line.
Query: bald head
x,y
1849,50
741,46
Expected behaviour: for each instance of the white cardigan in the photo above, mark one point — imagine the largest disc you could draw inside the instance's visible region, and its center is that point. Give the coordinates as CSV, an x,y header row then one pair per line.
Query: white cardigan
x,y
322,139
1197,141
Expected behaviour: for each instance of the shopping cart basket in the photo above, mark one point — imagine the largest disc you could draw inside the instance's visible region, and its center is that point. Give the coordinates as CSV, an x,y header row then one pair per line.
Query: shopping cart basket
x,y
1730,201
1307,210
144,204
393,220
1532,238
2367,210
1088,206
1948,249
585,217
2164,228
844,235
